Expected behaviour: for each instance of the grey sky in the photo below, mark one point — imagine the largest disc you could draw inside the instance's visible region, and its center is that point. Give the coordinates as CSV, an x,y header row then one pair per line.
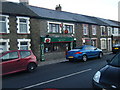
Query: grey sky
x,y
107,9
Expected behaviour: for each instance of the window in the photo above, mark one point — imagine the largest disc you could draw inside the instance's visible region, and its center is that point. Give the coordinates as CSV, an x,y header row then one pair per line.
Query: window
x,y
109,31
24,44
56,47
85,29
23,25
54,27
103,32
103,43
94,29
24,54
4,24
4,45
9,56
68,27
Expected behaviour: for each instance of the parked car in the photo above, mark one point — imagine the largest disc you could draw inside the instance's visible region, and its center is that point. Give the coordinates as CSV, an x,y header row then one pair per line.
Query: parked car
x,y
116,48
18,60
109,76
83,53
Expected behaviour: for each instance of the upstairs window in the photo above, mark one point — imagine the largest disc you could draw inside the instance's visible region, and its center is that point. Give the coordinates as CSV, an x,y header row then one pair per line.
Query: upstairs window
x,y
23,25
4,24
94,28
85,29
54,28
68,28
103,32
109,31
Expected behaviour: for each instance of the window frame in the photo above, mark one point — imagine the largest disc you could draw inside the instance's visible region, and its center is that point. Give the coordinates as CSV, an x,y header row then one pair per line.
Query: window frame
x,y
94,29
27,24
105,43
6,23
68,24
53,23
85,29
24,40
102,30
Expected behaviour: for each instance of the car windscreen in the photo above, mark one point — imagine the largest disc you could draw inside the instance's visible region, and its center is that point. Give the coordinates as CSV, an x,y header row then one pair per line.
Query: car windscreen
x,y
116,45
116,60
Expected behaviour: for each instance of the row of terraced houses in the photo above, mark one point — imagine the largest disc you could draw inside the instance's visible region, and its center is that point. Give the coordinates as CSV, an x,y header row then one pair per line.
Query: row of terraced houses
x,y
50,33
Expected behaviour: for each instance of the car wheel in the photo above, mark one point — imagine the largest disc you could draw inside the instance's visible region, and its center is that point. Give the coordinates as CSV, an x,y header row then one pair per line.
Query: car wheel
x,y
84,58
100,55
31,67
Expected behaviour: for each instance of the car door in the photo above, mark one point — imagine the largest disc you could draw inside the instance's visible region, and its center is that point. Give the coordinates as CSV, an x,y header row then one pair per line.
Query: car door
x,y
10,62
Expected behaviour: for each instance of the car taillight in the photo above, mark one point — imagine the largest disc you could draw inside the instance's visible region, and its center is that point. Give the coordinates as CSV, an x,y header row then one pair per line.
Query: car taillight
x,y
78,53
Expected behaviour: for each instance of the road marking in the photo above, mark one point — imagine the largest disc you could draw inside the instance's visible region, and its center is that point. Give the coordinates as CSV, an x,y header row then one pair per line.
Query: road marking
x,y
66,76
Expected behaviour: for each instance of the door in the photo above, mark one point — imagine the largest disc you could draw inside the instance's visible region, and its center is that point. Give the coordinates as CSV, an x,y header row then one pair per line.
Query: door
x,y
10,62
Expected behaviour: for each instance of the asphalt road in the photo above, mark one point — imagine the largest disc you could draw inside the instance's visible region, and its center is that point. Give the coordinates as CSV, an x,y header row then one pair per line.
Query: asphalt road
x,y
61,75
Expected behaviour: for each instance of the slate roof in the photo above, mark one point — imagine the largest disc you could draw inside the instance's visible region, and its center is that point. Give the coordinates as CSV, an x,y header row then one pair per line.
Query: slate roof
x,y
109,22
33,11
16,9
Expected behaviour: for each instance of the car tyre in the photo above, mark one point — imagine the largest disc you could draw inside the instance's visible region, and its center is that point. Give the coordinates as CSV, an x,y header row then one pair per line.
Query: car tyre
x,y
31,67
100,55
84,58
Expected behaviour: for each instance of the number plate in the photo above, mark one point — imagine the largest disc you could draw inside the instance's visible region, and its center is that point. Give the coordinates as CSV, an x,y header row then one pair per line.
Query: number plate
x,y
116,48
71,57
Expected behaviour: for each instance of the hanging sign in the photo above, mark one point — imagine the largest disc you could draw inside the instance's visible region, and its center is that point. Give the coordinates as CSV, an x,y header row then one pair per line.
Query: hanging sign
x,y
47,40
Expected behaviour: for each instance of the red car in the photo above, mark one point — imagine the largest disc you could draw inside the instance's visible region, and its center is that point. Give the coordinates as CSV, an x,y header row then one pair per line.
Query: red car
x,y
17,60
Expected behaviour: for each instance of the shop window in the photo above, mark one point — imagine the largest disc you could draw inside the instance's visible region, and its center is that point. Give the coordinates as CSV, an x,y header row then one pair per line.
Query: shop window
x,y
4,24
56,47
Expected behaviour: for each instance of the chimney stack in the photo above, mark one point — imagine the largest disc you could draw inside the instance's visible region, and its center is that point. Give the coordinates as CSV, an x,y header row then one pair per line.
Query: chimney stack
x,y
26,2
58,7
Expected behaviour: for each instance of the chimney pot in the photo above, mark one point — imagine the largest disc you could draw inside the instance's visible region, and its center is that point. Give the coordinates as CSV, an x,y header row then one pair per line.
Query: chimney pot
x,y
24,1
58,7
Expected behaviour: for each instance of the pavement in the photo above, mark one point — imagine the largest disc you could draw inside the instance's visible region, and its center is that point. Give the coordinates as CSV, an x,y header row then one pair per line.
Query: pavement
x,y
42,63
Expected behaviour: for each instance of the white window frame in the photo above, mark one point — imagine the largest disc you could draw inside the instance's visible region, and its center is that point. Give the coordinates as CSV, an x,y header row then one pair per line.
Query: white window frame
x,y
94,29
85,33
109,46
109,29
115,30
6,21
7,43
24,40
28,25
73,31
105,44
101,30
50,22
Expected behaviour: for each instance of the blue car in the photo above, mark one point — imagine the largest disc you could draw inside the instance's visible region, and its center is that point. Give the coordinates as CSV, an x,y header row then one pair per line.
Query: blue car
x,y
83,53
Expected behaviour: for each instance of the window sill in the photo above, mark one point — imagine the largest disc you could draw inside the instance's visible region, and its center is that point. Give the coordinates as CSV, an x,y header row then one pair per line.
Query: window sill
x,y
23,33
4,33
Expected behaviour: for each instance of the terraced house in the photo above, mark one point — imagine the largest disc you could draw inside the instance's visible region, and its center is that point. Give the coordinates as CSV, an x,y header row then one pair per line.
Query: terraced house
x,y
50,33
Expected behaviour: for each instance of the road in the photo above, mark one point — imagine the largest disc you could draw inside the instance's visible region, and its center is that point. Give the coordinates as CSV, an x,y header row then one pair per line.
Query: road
x,y
61,75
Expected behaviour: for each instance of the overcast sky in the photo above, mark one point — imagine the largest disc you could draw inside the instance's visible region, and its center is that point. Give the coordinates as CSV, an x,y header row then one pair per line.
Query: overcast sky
x,y
107,9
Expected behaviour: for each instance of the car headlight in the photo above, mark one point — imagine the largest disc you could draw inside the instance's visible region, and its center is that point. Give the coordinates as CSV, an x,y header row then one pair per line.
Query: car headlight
x,y
96,77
